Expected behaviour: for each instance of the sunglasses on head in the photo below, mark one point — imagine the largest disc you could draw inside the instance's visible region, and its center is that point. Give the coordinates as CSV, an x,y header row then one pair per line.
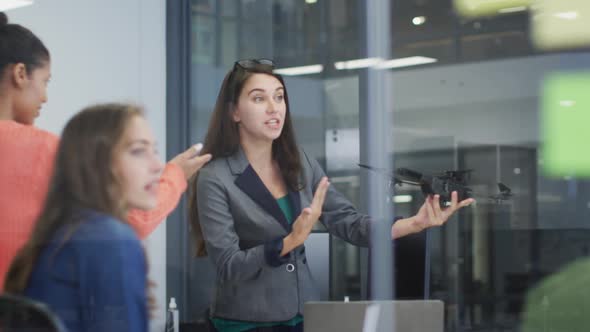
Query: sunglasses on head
x,y
250,65
254,63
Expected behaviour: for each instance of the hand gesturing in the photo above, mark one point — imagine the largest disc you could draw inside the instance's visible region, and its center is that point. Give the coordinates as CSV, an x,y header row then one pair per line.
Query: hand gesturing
x,y
310,215
431,214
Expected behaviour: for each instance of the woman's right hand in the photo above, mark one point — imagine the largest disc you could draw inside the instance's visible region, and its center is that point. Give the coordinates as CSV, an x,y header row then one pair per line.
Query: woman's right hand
x,y
309,216
190,161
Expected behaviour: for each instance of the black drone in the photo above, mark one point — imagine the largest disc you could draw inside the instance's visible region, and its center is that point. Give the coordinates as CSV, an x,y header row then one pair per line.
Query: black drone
x,y
441,184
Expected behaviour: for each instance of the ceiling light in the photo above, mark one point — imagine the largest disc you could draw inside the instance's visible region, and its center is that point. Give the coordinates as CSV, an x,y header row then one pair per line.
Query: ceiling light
x,y
311,1
418,20
12,4
402,198
407,62
303,70
512,10
381,64
567,103
356,64
567,15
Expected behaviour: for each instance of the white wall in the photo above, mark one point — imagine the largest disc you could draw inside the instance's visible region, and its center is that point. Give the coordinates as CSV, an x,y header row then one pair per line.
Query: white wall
x,y
106,50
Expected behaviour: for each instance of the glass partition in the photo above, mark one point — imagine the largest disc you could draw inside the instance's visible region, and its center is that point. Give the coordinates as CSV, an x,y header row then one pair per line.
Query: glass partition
x,y
466,93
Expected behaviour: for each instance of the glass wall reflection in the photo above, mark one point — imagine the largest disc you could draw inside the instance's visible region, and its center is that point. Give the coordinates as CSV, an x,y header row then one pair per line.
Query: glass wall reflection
x,y
469,98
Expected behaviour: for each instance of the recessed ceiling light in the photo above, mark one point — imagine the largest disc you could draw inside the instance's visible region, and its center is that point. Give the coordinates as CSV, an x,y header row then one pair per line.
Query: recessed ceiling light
x,y
419,20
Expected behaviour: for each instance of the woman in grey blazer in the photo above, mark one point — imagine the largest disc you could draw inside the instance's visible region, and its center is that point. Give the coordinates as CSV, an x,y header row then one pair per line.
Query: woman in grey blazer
x,y
253,206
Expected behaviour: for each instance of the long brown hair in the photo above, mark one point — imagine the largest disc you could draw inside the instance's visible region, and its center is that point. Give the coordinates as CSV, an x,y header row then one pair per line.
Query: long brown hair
x,y
83,178
223,140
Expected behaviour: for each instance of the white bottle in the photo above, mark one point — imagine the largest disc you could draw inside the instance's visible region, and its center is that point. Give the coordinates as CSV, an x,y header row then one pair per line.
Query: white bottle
x,y
172,317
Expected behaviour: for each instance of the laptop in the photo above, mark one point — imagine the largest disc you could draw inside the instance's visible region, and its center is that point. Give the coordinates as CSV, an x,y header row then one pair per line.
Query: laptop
x,y
375,316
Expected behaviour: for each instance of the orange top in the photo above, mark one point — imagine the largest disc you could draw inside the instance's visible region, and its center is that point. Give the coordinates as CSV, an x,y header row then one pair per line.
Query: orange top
x,y
26,167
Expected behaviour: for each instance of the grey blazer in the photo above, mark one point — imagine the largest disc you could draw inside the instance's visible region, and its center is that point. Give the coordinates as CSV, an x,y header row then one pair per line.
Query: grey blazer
x,y
243,227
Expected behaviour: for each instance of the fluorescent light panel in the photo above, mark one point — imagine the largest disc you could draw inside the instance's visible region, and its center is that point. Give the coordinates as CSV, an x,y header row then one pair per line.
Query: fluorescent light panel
x,y
479,8
379,63
303,70
567,15
407,62
12,4
402,198
356,64
512,9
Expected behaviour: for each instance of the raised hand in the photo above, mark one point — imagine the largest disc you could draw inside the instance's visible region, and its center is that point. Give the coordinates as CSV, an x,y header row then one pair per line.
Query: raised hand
x,y
309,216
190,161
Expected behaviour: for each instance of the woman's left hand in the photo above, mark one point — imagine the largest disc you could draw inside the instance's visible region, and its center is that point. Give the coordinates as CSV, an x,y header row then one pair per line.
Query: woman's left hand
x,y
431,214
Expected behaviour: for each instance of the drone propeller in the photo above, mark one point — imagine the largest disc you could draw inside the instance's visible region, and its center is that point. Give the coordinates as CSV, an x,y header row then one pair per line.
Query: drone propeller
x,y
405,172
504,189
504,194
383,171
397,177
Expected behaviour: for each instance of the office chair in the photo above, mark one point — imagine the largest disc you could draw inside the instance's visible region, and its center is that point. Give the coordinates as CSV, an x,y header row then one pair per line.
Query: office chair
x,y
20,314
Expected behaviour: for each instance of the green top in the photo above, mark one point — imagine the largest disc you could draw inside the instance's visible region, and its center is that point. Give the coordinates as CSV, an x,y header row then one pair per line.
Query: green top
x,y
227,325
285,205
